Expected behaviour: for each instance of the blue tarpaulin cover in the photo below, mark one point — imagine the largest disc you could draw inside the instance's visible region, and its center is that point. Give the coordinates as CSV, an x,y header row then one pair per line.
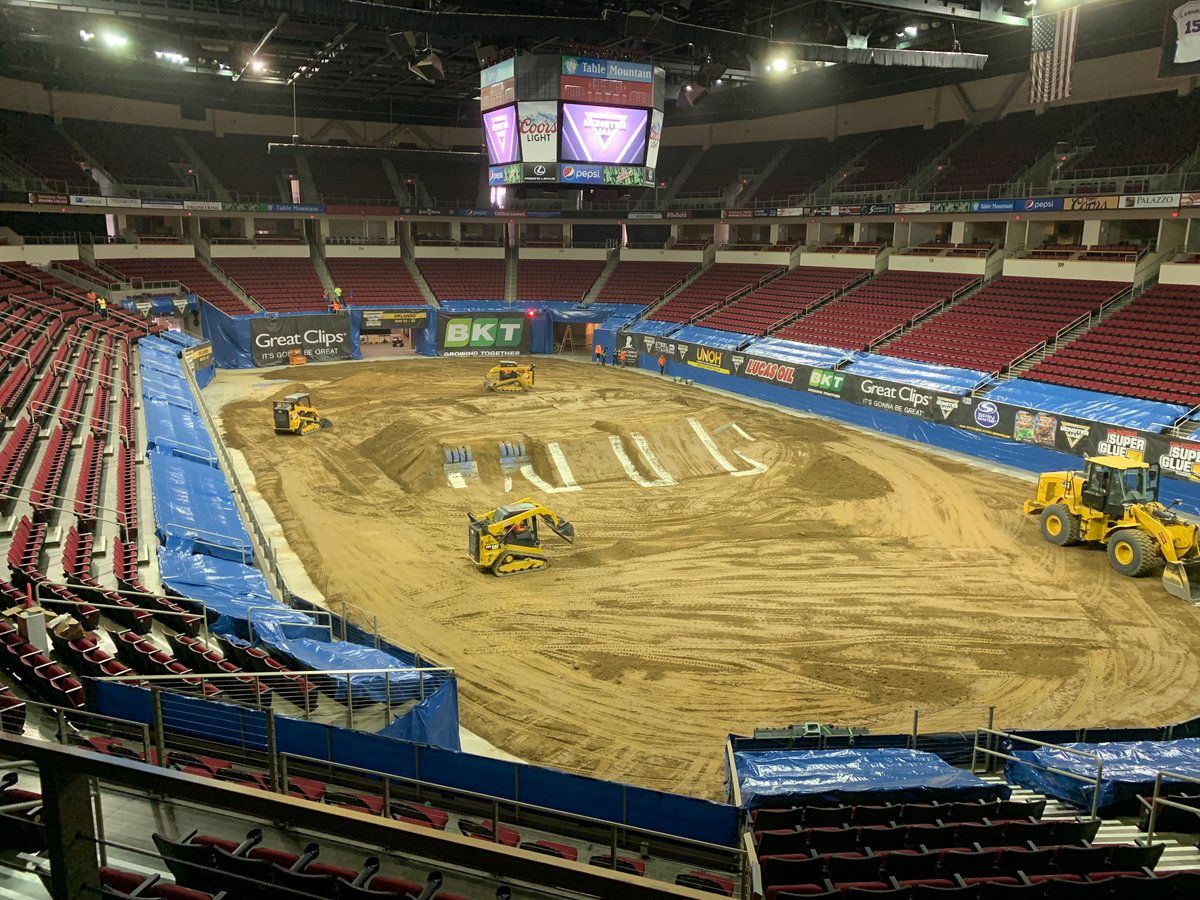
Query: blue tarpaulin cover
x,y
183,339
227,588
172,429
796,352
619,310
1148,415
653,326
157,384
949,379
193,509
800,777
711,337
1129,769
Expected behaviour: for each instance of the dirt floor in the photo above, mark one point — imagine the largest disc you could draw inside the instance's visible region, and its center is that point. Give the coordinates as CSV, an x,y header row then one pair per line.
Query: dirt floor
x,y
854,579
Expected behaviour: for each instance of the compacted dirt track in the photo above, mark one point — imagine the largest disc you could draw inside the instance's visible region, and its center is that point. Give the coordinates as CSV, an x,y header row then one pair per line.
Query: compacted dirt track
x,y
854,579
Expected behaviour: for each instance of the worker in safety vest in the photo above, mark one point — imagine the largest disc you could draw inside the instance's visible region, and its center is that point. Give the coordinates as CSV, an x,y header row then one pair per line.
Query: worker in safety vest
x,y
621,356
662,364
600,354
102,307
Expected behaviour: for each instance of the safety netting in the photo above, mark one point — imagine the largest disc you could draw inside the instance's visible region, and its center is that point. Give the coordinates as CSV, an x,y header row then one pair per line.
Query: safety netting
x,y
824,777
1130,412
1128,770
948,379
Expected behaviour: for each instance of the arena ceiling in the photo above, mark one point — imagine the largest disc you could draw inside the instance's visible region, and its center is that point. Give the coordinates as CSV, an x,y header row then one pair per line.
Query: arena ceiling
x,y
351,58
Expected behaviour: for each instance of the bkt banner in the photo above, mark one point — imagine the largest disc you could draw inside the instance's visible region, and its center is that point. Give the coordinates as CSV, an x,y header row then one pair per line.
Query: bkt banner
x,y
483,335
323,338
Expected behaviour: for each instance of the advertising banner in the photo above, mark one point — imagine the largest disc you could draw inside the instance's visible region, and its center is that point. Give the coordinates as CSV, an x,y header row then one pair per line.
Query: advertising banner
x,y
1043,204
538,172
322,338
950,206
995,205
655,139
502,93
537,123
912,207
615,69
603,134
50,199
581,89
1150,201
1191,198
499,72
481,334
1178,457
878,209
581,173
162,204
1090,203
204,205
390,319
627,176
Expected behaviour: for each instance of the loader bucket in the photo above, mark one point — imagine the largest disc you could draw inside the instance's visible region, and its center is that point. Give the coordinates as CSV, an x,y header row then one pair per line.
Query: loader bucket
x,y
1182,580
563,529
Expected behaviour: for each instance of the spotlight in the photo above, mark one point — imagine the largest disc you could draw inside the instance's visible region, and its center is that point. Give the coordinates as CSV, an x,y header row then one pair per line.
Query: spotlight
x,y
780,64
257,65
428,67
114,40
910,30
85,35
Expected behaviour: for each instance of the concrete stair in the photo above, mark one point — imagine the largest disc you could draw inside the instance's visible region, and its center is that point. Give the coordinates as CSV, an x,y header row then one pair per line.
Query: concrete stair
x,y
614,257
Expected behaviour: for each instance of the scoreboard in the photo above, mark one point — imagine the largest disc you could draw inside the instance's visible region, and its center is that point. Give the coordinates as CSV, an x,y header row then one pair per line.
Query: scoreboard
x,y
571,120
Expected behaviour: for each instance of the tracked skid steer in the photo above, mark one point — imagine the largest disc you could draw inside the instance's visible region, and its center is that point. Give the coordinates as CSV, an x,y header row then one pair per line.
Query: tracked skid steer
x,y
505,540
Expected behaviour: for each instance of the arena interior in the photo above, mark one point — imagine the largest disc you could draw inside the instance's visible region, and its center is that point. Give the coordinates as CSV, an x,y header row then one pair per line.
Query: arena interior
x,y
621,450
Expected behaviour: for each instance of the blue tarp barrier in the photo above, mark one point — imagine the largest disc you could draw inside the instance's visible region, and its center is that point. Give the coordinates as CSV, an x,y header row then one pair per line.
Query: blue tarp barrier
x,y
1148,415
310,647
1129,770
711,337
653,326
434,721
620,310
193,509
947,379
158,385
162,305
572,313
229,589
172,429
796,352
183,339
800,777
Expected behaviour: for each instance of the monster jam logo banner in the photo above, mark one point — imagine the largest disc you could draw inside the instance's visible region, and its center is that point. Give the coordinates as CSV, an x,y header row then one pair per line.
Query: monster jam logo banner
x,y
322,338
479,334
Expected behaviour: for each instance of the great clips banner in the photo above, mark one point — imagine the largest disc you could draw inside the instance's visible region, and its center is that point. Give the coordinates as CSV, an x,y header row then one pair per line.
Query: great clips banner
x,y
322,338
1178,457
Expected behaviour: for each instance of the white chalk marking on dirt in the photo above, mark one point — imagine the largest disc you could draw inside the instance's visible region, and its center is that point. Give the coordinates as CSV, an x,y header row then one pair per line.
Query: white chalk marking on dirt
x,y
627,464
542,485
457,480
564,469
507,484
711,446
664,478
758,469
738,428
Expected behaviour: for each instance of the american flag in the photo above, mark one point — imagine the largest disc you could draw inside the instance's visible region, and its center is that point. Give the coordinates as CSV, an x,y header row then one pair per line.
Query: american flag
x,y
1052,55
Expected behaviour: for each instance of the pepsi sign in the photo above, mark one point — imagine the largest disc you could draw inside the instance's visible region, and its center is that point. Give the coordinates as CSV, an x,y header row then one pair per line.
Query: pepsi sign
x,y
571,173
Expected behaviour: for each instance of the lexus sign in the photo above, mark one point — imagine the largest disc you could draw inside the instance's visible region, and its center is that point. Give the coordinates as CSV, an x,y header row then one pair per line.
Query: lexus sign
x,y
321,338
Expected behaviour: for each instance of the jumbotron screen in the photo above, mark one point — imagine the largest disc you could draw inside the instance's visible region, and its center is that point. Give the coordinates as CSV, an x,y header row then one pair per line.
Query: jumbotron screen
x,y
571,120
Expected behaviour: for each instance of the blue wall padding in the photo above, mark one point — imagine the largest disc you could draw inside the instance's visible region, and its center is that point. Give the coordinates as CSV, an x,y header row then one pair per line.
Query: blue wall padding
x,y
194,511
1147,415
827,777
229,589
948,379
796,352
710,337
230,335
654,327
1129,770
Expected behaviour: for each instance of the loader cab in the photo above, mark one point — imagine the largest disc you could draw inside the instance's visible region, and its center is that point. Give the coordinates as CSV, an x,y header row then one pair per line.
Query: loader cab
x,y
1113,483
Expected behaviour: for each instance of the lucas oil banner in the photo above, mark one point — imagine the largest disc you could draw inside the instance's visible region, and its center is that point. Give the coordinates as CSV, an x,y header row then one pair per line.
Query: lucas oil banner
x,y
1178,457
483,334
322,338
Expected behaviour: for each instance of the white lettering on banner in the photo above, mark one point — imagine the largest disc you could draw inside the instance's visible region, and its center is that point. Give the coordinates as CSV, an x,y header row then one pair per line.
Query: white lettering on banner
x,y
1121,443
458,333
1181,459
314,337
946,406
1074,433
901,392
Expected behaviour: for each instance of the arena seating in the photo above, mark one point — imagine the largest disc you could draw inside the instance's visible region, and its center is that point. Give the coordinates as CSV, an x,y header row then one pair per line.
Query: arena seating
x,y
642,282
722,164
783,298
109,144
375,281
997,152
39,148
91,274
1159,130
453,177
189,272
1146,350
464,279
671,160
807,164
714,285
899,154
865,314
277,284
1005,320
550,279
241,164
347,176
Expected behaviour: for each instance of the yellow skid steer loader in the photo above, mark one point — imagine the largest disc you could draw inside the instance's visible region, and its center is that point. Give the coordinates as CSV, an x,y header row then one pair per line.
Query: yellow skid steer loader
x,y
295,414
1114,502
509,376
505,540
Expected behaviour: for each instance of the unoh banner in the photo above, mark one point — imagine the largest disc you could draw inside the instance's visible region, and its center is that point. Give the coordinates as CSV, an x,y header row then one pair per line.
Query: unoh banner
x,y
1178,457
322,338
483,334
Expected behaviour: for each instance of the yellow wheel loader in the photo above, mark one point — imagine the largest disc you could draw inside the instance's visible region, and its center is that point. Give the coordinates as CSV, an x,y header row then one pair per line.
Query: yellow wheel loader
x,y
509,376
505,540
1114,501
295,414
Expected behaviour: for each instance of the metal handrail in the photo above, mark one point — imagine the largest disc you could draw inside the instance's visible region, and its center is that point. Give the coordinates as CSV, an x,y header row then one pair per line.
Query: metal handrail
x,y
1157,800
1084,754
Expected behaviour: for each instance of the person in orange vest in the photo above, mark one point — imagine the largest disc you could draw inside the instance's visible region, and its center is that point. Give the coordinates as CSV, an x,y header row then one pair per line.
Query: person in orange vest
x,y
621,356
600,354
662,364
